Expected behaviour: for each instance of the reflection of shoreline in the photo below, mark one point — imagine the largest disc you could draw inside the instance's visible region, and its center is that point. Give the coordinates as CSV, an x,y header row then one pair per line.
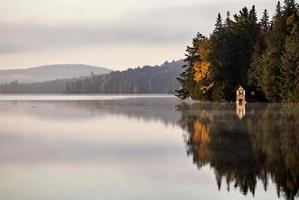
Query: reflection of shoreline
x,y
262,146
88,131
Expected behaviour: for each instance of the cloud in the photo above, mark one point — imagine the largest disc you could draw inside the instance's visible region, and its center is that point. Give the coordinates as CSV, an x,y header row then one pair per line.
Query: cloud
x,y
175,24
18,37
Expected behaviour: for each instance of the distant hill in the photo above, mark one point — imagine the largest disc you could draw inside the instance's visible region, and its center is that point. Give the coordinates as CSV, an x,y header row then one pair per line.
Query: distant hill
x,y
49,72
148,79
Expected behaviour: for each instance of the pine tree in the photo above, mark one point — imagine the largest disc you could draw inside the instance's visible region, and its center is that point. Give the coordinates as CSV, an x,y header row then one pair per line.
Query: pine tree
x,y
228,20
186,78
290,62
256,70
289,7
278,11
219,23
219,57
264,23
271,62
272,80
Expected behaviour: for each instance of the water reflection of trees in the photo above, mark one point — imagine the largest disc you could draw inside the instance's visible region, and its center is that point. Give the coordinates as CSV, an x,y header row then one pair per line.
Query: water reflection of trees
x,y
263,146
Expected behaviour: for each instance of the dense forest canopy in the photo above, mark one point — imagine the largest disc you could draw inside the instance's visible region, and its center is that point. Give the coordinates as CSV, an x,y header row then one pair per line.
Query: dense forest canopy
x,y
261,55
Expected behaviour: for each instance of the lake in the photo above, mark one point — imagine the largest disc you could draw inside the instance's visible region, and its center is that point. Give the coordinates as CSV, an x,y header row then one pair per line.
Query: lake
x,y
146,147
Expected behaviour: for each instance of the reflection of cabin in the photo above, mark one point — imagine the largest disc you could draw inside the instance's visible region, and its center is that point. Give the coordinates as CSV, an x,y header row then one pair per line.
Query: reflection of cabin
x,y
240,96
241,110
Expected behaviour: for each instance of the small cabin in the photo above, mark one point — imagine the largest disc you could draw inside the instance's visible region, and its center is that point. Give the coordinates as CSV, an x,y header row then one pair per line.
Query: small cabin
x,y
240,96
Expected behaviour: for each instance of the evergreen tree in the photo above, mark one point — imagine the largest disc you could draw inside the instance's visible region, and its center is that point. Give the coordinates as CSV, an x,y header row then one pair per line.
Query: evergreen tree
x,y
231,49
186,78
273,81
271,62
219,56
228,20
290,62
264,23
290,8
247,30
256,70
219,23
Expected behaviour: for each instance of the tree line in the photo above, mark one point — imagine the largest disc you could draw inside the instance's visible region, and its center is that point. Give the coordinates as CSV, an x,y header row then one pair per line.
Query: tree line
x,y
158,79
47,87
147,79
260,55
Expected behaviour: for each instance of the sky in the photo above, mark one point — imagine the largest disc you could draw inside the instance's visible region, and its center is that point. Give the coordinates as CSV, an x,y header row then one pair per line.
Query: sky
x,y
116,34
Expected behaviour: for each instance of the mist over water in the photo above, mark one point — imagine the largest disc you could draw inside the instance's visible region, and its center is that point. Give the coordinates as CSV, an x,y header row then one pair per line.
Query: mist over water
x,y
145,147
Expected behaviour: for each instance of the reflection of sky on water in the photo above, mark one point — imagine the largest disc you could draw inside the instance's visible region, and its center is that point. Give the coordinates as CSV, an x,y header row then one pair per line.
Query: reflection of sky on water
x,y
120,149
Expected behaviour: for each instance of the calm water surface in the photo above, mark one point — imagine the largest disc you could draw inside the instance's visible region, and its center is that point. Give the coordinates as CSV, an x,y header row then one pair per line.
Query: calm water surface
x,y
146,147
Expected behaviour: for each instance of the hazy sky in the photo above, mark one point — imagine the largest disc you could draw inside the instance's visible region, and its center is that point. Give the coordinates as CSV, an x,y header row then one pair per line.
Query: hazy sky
x,y
109,33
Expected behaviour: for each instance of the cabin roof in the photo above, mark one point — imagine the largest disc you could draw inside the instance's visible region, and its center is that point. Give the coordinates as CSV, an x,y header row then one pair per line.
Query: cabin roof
x,y
238,87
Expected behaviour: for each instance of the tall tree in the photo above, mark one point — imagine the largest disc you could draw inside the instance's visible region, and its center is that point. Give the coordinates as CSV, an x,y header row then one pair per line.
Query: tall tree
x,y
264,23
271,62
290,62
202,78
231,49
272,79
220,50
186,78
247,32
256,70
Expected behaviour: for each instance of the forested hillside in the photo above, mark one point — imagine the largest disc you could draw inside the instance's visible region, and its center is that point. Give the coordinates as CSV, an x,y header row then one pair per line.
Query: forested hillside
x,y
148,79
47,87
261,55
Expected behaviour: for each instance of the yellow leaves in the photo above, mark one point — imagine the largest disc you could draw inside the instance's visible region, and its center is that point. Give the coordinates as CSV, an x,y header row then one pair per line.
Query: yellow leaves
x,y
201,67
201,136
204,48
201,70
200,133
204,89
